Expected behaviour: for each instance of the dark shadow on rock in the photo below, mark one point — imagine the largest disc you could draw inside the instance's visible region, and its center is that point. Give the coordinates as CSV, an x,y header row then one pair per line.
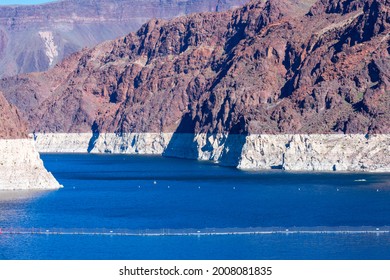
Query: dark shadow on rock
x,y
277,167
95,136
182,142
234,144
232,150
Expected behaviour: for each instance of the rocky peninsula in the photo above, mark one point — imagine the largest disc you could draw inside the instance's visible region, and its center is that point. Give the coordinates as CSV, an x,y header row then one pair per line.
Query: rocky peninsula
x,y
20,165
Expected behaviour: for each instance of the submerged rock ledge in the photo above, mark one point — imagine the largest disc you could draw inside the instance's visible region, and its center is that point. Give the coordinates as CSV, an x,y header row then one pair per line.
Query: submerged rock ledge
x,y
295,152
22,168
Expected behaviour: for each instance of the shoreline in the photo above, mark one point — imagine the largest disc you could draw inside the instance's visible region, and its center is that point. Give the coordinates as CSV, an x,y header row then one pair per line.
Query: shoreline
x,y
255,152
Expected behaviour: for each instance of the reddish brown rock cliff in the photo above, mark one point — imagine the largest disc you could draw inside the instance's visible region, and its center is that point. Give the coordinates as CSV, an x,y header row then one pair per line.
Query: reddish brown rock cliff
x,y
268,67
11,125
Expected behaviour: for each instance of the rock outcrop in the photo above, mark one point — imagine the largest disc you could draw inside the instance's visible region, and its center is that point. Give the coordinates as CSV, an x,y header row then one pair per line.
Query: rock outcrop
x,y
317,152
36,37
20,165
11,124
216,83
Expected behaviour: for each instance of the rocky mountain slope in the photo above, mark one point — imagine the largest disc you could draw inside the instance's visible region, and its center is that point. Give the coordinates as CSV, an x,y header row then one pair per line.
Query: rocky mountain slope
x,y
269,67
276,67
20,165
34,38
11,125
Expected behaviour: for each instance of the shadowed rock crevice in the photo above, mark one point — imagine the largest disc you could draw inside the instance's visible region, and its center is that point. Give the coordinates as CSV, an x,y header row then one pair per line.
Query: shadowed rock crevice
x,y
373,72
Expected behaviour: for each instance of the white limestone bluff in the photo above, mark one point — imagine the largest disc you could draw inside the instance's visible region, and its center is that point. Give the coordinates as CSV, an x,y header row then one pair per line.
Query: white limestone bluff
x,y
21,168
20,165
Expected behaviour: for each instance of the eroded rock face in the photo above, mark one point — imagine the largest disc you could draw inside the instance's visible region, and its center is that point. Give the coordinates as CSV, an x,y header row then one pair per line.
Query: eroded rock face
x,y
269,67
36,37
11,125
20,165
317,152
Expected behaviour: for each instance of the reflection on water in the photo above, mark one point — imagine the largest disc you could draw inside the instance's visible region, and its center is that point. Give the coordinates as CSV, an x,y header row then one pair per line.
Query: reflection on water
x,y
14,205
20,195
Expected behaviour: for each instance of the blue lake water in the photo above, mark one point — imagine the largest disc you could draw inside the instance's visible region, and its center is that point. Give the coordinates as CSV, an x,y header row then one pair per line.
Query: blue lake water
x,y
140,196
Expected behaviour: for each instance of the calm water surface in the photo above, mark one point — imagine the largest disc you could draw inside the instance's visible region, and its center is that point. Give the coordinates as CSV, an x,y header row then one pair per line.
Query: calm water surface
x,y
141,194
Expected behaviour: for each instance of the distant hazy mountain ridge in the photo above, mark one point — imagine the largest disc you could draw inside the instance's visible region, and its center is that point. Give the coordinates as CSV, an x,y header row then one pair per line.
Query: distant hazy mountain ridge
x,y
34,38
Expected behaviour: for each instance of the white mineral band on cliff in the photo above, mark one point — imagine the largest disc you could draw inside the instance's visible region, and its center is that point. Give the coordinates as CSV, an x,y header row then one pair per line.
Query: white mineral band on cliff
x,y
21,167
318,152
298,152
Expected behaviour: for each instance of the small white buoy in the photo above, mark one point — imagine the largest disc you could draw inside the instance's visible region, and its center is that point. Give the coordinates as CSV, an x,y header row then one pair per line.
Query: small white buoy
x,y
337,189
377,190
139,187
299,189
111,231
234,188
154,182
169,187
377,228
199,187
